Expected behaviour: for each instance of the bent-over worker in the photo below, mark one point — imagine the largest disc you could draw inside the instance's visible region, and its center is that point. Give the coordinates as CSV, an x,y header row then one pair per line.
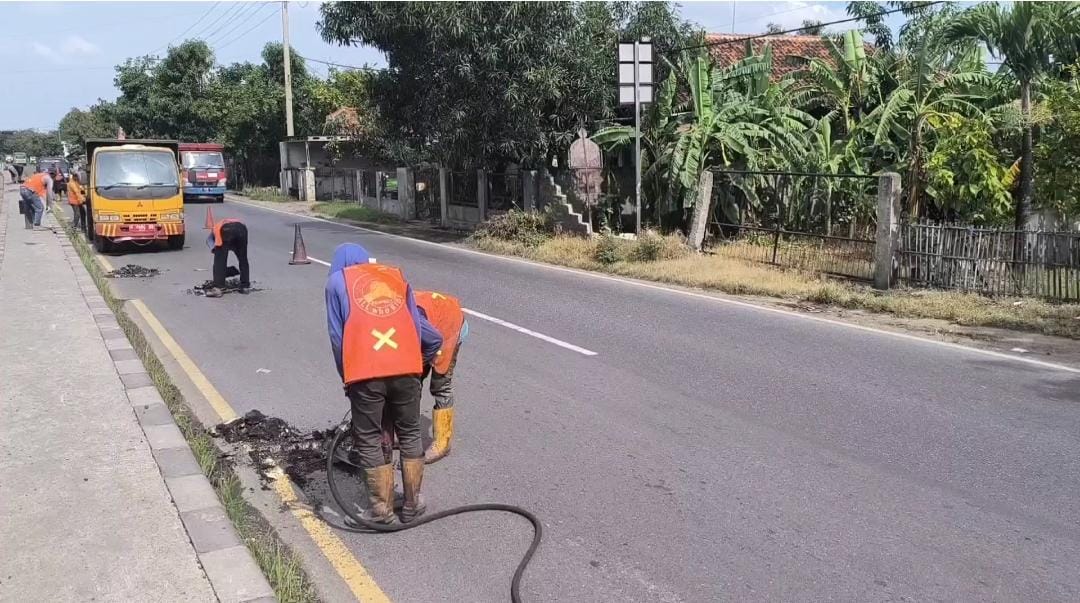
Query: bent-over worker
x,y
228,235
380,344
443,311
32,195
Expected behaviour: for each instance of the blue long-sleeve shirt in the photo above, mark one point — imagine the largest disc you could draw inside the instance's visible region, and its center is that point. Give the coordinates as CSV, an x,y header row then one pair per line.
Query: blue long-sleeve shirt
x,y
338,306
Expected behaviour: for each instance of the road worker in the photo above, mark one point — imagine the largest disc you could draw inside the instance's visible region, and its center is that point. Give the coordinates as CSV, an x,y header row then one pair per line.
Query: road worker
x,y
32,195
443,311
228,235
76,199
380,343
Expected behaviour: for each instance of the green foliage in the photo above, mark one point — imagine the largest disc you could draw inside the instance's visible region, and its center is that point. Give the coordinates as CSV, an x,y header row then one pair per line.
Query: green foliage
x,y
1057,153
965,178
31,142
96,122
652,246
528,228
610,249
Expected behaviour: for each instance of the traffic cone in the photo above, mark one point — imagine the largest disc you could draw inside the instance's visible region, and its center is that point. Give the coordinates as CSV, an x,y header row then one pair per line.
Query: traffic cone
x,y
209,225
299,251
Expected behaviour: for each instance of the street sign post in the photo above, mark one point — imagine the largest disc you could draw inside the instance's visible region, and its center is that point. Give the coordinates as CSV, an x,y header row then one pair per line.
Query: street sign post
x,y
636,87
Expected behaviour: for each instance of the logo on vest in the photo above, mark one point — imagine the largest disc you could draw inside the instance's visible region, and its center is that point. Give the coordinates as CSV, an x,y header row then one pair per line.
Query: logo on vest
x,y
376,297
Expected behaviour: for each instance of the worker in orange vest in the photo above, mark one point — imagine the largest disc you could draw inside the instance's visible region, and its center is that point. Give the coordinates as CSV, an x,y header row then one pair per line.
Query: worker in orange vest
x,y
443,311
380,343
76,199
32,195
228,235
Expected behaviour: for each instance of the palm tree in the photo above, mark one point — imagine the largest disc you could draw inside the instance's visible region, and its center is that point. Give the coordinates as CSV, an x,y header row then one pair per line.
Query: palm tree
x,y
1025,37
933,81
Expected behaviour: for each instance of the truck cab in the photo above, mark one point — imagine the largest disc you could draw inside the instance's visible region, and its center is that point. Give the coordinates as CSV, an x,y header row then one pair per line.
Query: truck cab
x,y
204,174
134,193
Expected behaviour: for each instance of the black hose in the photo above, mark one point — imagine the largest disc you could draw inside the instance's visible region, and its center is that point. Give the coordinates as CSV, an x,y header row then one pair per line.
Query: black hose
x,y
515,582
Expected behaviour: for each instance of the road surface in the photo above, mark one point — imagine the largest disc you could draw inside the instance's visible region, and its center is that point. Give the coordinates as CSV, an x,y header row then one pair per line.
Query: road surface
x,y
702,451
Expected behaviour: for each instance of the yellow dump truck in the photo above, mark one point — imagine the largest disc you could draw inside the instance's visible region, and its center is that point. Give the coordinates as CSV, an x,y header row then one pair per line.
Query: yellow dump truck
x,y
134,193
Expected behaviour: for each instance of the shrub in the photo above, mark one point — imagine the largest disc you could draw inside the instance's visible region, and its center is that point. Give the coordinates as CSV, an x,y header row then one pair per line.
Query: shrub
x,y
528,228
609,250
652,246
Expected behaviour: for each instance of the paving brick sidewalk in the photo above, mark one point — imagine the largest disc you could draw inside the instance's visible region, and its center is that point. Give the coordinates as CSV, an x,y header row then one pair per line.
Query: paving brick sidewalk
x,y
100,497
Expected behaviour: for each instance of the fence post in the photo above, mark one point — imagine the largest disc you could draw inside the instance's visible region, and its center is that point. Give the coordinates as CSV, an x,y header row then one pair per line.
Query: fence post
x,y
528,192
444,197
482,193
406,191
888,229
378,189
359,177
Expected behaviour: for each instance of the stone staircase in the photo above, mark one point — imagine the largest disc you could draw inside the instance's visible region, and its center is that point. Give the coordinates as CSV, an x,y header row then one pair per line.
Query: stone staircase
x,y
566,219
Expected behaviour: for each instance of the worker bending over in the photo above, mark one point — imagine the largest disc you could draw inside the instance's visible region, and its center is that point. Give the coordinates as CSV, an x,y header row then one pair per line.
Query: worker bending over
x,y
32,195
444,313
380,344
228,235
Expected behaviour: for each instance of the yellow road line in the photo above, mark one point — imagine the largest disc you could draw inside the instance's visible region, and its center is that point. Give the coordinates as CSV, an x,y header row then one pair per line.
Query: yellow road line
x,y
358,579
207,389
104,263
360,582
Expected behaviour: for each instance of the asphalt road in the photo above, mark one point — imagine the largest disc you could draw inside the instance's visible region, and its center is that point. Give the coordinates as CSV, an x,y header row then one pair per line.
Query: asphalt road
x,y
707,451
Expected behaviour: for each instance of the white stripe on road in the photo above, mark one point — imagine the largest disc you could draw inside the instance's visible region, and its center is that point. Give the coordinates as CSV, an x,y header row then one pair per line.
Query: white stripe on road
x,y
531,333
510,325
714,298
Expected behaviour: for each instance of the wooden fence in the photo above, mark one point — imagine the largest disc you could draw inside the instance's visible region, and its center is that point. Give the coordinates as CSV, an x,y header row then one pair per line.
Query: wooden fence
x,y
990,261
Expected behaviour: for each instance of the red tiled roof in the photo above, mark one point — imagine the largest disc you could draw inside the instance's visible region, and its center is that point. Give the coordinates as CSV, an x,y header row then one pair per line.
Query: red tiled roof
x,y
785,49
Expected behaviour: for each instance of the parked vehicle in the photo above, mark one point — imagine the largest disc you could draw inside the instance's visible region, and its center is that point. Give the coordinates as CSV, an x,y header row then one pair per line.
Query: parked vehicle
x,y
204,173
134,193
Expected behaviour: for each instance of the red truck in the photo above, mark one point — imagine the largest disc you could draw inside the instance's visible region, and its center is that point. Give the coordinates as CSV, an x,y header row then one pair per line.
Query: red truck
x,y
204,173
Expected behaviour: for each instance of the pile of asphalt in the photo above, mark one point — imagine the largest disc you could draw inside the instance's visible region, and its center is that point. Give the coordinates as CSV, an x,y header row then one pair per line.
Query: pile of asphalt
x,y
133,271
272,441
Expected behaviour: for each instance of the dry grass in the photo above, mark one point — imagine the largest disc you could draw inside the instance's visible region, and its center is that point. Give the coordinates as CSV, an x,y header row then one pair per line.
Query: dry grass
x,y
677,266
265,193
354,211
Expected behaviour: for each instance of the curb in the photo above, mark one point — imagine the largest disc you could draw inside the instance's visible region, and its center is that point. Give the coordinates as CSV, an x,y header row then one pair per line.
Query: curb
x,y
231,570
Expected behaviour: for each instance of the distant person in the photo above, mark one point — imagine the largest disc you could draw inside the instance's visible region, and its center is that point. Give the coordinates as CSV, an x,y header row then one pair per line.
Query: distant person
x,y
59,184
32,193
77,200
228,235
13,172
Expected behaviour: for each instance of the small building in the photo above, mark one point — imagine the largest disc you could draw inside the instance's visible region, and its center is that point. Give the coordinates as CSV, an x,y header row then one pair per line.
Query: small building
x,y
788,51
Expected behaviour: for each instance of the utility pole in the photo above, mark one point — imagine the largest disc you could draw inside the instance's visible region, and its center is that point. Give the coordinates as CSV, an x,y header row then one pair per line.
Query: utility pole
x,y
637,137
288,68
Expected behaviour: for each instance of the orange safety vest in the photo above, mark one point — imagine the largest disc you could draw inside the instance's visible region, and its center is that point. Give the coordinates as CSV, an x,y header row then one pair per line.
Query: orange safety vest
x,y
36,183
380,339
75,193
217,230
444,313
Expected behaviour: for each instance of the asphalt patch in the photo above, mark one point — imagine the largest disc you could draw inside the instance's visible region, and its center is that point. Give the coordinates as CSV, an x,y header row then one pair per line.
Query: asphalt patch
x,y
271,441
133,271
231,286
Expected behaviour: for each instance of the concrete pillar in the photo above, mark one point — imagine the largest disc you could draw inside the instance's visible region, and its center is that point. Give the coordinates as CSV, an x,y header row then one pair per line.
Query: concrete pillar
x,y
359,176
378,190
482,193
307,193
888,229
406,192
444,197
283,156
529,190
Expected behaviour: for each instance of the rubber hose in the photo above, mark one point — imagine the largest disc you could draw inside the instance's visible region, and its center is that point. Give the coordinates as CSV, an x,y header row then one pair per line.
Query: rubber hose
x,y
515,582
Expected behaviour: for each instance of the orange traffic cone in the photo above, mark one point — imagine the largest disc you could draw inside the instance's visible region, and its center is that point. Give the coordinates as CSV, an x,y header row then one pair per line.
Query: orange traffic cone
x,y
299,251
209,225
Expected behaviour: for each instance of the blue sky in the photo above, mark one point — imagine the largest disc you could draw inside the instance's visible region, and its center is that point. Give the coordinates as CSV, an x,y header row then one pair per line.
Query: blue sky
x,y
72,47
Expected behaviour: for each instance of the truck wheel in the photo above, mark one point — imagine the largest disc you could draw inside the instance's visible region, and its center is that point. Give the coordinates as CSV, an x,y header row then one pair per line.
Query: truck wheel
x,y
176,242
102,244
220,199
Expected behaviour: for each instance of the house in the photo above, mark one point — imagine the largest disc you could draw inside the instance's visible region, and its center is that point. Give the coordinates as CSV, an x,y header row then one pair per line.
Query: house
x,y
727,49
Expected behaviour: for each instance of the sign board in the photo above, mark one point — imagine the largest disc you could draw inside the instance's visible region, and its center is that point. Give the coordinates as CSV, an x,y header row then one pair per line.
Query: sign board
x,y
641,62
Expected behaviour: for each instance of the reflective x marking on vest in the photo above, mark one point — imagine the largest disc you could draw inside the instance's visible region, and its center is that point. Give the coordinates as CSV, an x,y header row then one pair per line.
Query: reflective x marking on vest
x,y
384,339
438,296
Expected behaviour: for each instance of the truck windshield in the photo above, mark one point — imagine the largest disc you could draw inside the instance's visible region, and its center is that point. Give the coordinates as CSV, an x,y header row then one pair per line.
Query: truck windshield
x,y
136,175
202,159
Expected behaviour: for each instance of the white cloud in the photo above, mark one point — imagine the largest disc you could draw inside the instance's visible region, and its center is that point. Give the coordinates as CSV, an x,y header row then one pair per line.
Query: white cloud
x,y
752,17
76,45
72,48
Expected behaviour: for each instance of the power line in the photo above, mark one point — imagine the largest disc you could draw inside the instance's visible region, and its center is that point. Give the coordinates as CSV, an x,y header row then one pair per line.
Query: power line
x,y
742,39
239,20
352,67
190,27
249,30
224,19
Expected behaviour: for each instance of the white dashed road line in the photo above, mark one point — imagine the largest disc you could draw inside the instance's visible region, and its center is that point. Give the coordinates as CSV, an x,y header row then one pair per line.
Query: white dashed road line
x,y
510,325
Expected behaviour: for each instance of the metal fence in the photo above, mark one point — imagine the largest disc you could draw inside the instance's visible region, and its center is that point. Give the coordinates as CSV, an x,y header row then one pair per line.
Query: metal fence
x,y
822,223
504,191
991,261
427,195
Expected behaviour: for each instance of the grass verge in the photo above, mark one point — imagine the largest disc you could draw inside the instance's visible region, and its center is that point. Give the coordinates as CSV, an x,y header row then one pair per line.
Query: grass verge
x,y
354,211
280,565
265,193
659,260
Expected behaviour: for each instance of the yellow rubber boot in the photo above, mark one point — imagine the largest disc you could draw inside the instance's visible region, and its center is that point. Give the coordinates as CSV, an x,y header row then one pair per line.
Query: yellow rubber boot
x,y
442,431
412,476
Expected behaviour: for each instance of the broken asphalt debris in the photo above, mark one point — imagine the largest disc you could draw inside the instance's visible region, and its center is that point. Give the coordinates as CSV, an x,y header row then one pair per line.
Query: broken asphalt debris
x,y
231,286
272,441
133,271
